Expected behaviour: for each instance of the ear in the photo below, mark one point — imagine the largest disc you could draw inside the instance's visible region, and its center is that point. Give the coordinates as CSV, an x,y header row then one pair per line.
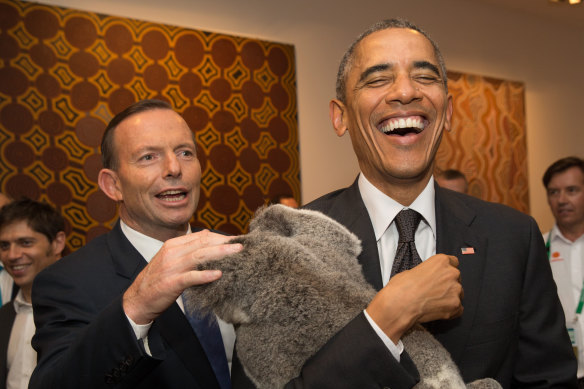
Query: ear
x,y
448,123
109,183
337,114
58,244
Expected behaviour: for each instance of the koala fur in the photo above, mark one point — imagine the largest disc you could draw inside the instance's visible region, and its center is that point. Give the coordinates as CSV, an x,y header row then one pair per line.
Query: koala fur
x,y
295,284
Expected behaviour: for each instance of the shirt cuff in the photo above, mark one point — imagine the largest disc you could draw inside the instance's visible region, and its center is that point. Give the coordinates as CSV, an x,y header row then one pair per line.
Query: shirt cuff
x,y
395,349
141,332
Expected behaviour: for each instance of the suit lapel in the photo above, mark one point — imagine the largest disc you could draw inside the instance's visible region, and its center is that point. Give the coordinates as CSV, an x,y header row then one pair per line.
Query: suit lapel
x,y
172,324
454,233
349,210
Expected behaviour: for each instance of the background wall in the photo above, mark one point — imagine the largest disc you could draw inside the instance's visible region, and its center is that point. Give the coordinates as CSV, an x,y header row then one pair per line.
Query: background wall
x,y
474,36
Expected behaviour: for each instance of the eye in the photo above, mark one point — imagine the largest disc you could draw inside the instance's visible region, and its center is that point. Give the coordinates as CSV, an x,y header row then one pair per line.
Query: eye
x,y
377,82
427,79
27,243
4,246
186,153
146,157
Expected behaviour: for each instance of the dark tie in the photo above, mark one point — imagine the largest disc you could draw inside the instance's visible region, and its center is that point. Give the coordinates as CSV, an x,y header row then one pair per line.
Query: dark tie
x,y
207,330
406,256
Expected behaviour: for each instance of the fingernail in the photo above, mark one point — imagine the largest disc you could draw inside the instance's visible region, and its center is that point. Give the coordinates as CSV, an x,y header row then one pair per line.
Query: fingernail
x,y
235,247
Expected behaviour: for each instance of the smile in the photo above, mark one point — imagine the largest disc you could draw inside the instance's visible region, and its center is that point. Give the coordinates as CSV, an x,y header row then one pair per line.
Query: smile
x,y
172,195
403,125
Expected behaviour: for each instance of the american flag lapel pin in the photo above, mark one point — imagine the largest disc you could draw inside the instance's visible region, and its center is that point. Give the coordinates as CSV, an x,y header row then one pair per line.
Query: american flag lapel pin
x,y
467,250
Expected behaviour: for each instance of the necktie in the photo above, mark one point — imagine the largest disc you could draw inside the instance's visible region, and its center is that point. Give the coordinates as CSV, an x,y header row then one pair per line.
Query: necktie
x,y
406,256
207,330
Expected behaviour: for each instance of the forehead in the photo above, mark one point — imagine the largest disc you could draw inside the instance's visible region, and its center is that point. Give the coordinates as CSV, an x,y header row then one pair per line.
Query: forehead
x,y
151,128
18,229
397,46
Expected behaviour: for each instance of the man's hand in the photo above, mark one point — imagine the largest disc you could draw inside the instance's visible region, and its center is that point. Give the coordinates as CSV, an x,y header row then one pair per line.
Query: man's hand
x,y
430,291
171,271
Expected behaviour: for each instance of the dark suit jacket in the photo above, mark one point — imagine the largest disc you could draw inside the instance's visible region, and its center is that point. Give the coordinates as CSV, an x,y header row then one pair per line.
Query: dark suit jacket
x,y
84,339
7,316
513,326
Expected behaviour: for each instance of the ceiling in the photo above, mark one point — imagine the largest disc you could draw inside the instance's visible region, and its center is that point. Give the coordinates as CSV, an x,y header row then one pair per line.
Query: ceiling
x,y
559,12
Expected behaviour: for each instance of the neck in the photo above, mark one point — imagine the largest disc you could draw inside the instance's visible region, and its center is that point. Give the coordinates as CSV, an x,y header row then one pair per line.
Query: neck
x,y
405,192
572,232
26,292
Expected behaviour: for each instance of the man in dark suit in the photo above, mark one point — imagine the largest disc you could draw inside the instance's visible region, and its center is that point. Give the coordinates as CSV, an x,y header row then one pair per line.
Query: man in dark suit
x,y
110,315
392,99
32,236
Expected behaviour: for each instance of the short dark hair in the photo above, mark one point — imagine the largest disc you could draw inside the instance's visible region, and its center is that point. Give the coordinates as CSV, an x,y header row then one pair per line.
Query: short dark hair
x,y
560,166
40,217
277,198
109,158
347,60
452,174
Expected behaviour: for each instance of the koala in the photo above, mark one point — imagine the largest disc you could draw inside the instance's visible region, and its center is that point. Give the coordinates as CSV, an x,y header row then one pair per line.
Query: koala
x,y
295,284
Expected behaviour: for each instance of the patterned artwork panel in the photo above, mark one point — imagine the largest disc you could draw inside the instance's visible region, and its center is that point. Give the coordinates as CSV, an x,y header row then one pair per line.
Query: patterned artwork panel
x,y
64,73
488,138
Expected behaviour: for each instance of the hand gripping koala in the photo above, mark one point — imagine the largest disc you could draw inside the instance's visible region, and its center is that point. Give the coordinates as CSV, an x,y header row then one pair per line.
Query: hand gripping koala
x,y
295,284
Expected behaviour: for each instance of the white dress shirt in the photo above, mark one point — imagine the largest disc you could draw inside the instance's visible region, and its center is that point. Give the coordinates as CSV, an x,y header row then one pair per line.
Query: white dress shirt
x,y
21,357
567,263
382,211
148,247
6,284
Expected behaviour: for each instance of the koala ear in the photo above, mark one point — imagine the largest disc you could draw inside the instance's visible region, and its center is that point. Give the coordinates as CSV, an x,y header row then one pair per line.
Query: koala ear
x,y
274,219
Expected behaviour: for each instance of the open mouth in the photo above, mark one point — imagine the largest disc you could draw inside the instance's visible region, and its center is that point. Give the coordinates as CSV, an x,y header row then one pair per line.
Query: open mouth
x,y
172,195
402,126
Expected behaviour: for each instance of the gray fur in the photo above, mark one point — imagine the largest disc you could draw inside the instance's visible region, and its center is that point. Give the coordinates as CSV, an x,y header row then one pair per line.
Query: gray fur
x,y
294,285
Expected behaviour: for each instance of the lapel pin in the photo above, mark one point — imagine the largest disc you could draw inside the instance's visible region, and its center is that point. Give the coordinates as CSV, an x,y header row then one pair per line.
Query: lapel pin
x,y
467,250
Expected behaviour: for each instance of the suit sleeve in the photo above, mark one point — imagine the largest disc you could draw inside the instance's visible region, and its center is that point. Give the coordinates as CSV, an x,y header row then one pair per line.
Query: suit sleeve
x,y
80,346
354,358
545,358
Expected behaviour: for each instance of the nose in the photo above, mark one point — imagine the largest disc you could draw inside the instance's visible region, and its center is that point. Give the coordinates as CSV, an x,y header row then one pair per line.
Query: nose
x,y
403,90
173,167
562,197
13,252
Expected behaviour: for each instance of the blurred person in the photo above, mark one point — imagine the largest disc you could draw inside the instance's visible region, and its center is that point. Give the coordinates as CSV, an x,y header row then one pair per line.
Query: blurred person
x,y
32,237
284,199
453,179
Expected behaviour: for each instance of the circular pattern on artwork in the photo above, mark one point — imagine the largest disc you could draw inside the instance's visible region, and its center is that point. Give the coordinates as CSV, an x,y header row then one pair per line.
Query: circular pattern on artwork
x,y
120,99
55,159
83,64
41,24
222,159
92,166
89,131
252,55
156,77
19,154
249,160
8,45
80,32
252,94
120,71
48,85
279,160
278,130
84,96
100,207
250,130
43,56
220,90
223,121
190,85
196,117
118,39
16,118
21,185
59,193
155,45
253,197
51,122
279,97
223,53
224,199
188,50
14,82
9,17
277,61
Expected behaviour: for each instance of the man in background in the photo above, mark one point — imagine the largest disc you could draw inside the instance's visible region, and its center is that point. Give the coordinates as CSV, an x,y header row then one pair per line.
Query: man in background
x,y
32,236
453,179
564,184
7,289
284,199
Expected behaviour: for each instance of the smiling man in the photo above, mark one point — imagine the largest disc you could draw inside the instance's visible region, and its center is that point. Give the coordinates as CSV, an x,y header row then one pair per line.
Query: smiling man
x,y
564,183
111,314
429,251
31,238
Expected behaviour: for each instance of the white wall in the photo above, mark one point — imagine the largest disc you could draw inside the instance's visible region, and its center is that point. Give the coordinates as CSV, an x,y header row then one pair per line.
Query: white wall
x,y
474,38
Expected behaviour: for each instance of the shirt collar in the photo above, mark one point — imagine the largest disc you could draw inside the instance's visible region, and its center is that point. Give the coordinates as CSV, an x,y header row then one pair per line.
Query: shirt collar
x,y
20,305
383,209
557,234
146,246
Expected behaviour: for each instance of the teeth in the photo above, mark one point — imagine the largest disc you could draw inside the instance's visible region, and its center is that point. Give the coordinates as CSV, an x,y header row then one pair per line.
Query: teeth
x,y
410,122
170,192
18,267
172,195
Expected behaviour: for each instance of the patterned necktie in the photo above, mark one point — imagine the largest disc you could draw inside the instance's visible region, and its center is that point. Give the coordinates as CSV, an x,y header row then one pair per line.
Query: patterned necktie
x,y
406,256
207,330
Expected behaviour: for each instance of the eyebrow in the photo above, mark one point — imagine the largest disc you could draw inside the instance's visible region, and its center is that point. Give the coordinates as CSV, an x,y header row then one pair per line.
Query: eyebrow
x,y
385,66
